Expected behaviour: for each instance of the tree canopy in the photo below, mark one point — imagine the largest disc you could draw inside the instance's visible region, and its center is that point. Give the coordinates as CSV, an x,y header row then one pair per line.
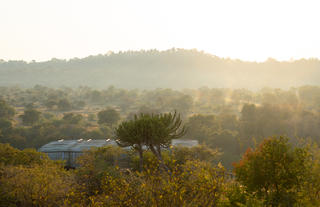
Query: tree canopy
x,y
155,131
6,111
275,171
108,116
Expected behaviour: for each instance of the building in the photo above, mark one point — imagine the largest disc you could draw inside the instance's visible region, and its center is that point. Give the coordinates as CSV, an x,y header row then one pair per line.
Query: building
x,y
70,150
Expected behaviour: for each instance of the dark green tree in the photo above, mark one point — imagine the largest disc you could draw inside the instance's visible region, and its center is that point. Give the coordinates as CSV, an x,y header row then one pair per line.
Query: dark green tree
x,y
108,116
30,117
201,127
5,126
132,133
50,103
72,118
64,105
152,131
6,111
164,128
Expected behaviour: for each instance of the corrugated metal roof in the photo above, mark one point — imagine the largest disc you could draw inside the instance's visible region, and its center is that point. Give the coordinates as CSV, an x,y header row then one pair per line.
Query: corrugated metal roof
x,y
74,145
81,145
184,143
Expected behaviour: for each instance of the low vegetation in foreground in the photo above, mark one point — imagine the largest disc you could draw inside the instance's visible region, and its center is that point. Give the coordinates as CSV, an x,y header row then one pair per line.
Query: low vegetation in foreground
x,y
275,173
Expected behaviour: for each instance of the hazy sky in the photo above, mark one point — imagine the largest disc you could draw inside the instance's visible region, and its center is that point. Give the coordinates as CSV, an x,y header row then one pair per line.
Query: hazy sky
x,y
249,30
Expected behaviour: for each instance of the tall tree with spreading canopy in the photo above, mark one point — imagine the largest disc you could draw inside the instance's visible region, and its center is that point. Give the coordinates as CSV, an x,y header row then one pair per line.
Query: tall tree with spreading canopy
x,y
132,133
155,131
165,127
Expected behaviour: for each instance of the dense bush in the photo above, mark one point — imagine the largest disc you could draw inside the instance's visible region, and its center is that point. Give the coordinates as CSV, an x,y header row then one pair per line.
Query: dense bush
x,y
29,178
274,174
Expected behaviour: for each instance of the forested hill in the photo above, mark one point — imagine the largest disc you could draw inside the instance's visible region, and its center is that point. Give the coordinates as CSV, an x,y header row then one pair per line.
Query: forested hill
x,y
175,68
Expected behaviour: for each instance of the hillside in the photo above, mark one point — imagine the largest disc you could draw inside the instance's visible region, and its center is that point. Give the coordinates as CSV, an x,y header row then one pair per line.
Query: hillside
x,y
175,68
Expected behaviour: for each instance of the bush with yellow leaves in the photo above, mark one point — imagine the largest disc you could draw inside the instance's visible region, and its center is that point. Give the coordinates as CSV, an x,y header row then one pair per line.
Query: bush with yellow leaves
x,y
194,183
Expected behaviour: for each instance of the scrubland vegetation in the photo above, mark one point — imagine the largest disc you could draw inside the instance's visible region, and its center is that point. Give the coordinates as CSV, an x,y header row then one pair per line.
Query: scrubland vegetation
x,y
143,103
275,173
228,119
257,148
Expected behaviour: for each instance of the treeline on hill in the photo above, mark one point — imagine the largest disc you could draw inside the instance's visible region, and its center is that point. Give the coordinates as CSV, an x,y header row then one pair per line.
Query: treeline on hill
x,y
275,173
175,68
230,120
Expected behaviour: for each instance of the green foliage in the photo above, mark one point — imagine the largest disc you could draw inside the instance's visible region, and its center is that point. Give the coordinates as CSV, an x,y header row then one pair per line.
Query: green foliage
x,y
36,185
149,161
154,131
176,156
216,132
48,116
91,117
30,178
106,130
79,104
275,171
200,127
229,120
201,153
95,134
191,184
6,111
50,104
30,117
12,156
165,127
5,126
108,116
236,196
72,118
95,164
311,188
289,175
64,105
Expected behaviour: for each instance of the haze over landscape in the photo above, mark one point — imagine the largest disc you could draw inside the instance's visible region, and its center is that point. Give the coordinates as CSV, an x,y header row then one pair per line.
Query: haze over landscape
x,y
247,30
129,44
195,103
175,68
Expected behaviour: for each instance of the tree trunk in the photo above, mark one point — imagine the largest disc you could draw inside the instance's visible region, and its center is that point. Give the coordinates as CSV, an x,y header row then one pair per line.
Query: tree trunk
x,y
157,153
141,160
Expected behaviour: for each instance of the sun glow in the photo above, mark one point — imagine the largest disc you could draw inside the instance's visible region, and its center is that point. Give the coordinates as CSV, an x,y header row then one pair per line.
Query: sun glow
x,y
249,30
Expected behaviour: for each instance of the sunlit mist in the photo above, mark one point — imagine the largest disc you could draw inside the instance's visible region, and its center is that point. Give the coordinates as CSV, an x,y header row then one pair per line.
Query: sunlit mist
x,y
248,30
